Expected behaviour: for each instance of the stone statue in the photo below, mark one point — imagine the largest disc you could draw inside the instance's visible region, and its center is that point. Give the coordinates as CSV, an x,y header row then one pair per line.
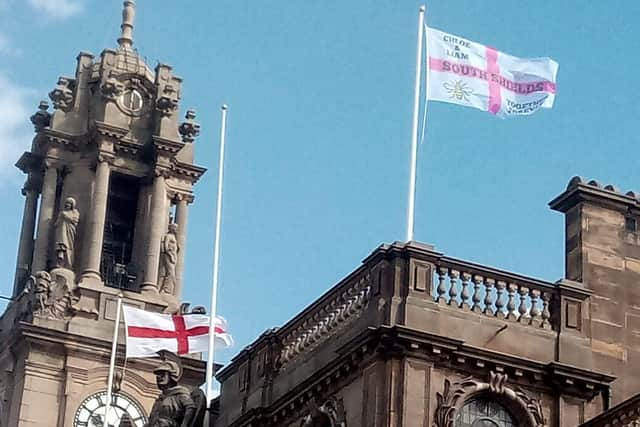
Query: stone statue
x,y
168,260
52,297
329,414
65,227
177,406
41,285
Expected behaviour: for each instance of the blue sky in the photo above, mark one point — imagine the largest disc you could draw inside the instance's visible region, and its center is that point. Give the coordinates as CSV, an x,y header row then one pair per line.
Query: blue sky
x,y
320,96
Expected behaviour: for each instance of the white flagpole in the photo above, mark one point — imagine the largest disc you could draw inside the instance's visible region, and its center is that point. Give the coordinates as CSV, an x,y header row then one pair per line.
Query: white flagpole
x,y
112,362
414,130
216,260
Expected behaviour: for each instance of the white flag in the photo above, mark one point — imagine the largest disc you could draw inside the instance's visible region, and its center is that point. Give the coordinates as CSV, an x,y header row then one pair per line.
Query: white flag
x,y
467,73
148,333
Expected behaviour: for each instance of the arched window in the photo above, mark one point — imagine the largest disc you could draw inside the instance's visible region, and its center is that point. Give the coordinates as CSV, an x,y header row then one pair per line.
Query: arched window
x,y
482,412
132,100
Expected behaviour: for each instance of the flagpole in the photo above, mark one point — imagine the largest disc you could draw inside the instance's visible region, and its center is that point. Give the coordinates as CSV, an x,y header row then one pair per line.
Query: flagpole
x,y
414,129
216,260
112,362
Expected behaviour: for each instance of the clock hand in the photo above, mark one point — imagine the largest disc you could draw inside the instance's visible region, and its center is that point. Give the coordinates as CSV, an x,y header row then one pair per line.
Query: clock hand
x,y
97,420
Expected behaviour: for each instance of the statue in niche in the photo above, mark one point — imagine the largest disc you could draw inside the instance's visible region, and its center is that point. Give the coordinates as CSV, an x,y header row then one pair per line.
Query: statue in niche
x,y
168,260
65,227
177,406
52,297
329,414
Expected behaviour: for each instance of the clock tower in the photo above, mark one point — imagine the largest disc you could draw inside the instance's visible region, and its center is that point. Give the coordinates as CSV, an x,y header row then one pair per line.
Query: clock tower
x,y
109,181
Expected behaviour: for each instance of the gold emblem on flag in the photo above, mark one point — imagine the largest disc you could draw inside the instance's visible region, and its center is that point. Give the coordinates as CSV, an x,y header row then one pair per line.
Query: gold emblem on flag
x,y
458,90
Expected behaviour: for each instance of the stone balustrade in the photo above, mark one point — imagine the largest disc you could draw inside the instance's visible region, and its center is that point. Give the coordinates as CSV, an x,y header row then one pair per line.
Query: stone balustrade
x,y
492,292
336,309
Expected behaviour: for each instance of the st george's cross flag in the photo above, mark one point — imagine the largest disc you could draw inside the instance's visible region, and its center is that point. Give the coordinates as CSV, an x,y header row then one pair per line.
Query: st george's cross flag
x,y
147,332
467,73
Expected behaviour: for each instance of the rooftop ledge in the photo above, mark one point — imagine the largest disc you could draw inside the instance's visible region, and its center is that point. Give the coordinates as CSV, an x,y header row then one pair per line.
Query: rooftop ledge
x,y
445,281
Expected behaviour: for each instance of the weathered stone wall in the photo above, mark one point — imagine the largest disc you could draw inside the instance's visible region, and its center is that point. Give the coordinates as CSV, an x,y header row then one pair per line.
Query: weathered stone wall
x,y
603,252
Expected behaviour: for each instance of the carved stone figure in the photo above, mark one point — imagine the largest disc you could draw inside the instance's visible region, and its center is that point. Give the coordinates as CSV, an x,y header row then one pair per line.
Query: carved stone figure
x,y
168,260
177,406
52,298
65,227
329,414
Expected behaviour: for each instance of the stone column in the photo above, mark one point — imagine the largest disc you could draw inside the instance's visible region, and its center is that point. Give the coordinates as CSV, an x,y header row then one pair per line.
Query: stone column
x,y
156,229
94,232
139,234
45,219
181,220
25,250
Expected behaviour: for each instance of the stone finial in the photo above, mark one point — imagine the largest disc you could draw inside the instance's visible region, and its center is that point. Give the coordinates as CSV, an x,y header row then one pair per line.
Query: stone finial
x,y
42,118
189,129
128,14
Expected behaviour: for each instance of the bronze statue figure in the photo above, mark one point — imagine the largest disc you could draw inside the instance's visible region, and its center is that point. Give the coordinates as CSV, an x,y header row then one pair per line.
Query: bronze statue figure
x,y
177,406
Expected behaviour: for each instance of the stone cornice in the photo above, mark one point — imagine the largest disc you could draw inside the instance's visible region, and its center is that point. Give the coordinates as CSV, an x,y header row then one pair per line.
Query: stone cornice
x,y
458,354
166,146
128,146
396,342
190,171
579,191
94,347
55,137
112,132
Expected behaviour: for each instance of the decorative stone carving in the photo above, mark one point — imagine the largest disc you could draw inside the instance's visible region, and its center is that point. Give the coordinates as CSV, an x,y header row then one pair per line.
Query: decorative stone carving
x,y
454,396
497,382
65,228
167,102
52,297
189,129
168,259
177,406
62,95
533,407
330,414
42,118
111,88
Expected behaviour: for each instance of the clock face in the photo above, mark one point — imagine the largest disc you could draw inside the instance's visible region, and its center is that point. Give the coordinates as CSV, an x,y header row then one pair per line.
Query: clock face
x,y
91,411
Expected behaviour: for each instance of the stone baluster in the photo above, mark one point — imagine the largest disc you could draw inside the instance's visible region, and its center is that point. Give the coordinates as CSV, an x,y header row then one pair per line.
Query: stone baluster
x,y
500,302
442,288
511,305
453,286
522,307
477,289
488,296
534,311
466,277
545,315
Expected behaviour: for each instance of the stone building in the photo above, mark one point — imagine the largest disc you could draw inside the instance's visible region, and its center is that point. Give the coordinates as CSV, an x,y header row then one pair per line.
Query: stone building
x,y
414,337
109,180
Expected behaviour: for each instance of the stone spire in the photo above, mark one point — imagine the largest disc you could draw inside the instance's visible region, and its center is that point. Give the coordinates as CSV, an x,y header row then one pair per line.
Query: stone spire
x,y
128,14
